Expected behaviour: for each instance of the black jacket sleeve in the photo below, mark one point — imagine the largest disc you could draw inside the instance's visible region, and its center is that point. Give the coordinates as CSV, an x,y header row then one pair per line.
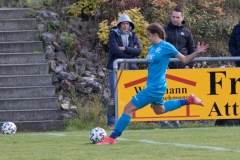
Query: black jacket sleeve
x,y
190,47
234,41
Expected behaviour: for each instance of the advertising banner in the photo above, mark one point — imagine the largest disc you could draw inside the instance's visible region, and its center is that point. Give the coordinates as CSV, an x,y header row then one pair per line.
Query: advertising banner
x,y
219,89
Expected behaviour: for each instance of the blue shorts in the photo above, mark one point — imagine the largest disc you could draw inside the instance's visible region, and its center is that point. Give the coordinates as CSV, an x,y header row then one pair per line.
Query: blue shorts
x,y
145,97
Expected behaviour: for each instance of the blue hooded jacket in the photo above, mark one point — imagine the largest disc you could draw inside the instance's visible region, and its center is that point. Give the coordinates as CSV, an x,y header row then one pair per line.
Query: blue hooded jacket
x,y
115,41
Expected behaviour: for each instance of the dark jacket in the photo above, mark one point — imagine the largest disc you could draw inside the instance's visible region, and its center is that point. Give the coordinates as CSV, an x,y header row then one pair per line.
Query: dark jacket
x,y
234,43
181,38
115,53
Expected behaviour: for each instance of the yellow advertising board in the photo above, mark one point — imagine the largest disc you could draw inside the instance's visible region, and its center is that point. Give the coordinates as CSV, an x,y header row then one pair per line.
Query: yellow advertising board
x,y
219,88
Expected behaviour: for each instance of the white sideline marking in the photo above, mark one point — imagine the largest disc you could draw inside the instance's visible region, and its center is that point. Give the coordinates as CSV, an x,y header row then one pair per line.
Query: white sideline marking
x,y
149,142
189,145
48,134
57,134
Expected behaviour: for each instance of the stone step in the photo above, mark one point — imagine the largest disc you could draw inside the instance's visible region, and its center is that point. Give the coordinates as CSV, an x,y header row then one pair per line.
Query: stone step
x,y
30,115
24,69
25,80
22,58
48,125
18,24
27,96
21,35
21,46
27,92
29,103
14,13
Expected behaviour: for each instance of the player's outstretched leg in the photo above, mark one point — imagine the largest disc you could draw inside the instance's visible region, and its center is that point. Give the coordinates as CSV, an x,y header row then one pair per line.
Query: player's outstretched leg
x,y
172,105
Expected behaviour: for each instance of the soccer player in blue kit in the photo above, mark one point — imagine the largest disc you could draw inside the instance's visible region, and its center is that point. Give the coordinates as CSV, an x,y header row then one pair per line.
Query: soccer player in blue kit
x,y
158,58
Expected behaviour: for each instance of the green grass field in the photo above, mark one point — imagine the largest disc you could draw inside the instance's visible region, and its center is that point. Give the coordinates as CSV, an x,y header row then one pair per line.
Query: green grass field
x,y
199,143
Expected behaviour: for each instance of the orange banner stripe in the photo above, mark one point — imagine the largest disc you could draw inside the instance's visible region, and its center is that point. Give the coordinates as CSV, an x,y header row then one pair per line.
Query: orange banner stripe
x,y
168,76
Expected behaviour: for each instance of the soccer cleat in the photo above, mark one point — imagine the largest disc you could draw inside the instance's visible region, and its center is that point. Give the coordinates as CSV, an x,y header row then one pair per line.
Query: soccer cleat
x,y
106,141
165,124
194,100
176,124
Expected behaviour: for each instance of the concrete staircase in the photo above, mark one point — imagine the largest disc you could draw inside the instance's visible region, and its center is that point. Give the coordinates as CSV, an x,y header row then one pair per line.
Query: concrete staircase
x,y
27,96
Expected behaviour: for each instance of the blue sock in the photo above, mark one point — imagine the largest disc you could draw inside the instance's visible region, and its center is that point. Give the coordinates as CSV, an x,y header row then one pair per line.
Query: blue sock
x,y
121,125
173,105
183,102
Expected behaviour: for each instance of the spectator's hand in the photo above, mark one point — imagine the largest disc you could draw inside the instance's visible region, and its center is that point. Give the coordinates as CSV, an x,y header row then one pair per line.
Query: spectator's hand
x,y
186,67
135,46
201,47
122,48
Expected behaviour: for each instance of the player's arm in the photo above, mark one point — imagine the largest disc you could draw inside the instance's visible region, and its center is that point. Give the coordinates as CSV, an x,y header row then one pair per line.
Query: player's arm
x,y
187,59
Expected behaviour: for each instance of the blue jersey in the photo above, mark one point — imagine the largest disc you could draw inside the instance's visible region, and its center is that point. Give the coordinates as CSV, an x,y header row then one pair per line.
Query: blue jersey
x,y
158,58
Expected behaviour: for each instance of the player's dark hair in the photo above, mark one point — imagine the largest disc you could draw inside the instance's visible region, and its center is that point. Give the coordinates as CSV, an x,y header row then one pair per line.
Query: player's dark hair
x,y
178,9
157,28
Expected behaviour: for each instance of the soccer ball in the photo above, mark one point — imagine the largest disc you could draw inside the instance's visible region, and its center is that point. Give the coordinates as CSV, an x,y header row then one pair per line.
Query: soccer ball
x,y
97,135
9,128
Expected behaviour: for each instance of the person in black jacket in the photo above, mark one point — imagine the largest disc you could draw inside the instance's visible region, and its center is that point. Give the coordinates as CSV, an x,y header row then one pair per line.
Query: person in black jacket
x,y
181,38
123,43
234,43
234,48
